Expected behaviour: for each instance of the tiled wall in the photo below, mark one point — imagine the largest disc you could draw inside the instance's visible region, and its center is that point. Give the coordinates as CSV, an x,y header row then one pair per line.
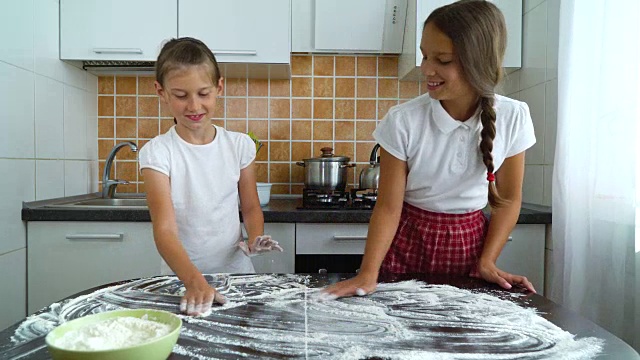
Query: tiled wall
x,y
49,133
330,100
536,83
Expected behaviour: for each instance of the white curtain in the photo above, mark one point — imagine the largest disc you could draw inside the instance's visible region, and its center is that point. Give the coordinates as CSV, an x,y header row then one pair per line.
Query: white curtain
x,y
596,181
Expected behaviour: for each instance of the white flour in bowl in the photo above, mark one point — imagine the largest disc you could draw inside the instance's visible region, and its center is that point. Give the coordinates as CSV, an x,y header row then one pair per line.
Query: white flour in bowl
x,y
112,334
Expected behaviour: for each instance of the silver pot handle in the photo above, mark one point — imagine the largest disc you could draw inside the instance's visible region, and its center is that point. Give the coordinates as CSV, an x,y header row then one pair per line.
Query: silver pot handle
x,y
347,165
300,163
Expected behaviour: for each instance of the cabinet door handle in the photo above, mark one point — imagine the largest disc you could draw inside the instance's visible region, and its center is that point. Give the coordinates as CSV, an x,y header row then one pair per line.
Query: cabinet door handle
x,y
510,238
348,238
114,237
117,50
236,52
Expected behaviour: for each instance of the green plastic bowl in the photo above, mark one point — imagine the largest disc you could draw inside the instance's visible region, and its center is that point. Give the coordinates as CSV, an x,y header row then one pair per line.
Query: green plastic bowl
x,y
159,348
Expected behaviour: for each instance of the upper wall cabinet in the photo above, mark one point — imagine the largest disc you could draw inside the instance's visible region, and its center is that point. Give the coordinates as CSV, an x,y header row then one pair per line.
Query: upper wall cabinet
x,y
419,10
354,26
250,38
239,31
116,29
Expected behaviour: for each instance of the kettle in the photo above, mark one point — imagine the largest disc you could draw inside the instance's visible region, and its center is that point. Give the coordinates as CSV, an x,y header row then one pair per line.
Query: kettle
x,y
370,175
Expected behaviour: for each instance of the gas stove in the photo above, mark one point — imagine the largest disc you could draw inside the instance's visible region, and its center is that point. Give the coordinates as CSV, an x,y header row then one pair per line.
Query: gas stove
x,y
363,198
356,199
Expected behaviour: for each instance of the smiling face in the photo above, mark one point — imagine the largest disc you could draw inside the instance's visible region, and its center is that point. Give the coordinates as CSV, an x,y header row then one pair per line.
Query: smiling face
x,y
191,96
441,67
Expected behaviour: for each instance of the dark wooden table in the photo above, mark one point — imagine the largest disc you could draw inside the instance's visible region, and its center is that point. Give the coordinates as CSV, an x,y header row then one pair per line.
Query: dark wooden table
x,y
157,293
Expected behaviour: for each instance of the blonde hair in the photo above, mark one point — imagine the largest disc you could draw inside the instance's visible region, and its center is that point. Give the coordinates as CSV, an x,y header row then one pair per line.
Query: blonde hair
x,y
478,31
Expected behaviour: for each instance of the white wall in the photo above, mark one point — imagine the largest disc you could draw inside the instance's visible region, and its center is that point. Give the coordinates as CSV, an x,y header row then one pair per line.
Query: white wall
x,y
48,111
536,83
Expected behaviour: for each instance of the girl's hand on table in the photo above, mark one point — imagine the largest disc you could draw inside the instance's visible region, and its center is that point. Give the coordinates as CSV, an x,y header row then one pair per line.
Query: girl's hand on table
x,y
490,272
199,296
360,285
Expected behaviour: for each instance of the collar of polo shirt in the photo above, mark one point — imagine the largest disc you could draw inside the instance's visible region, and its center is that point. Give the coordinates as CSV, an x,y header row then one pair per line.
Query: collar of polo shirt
x,y
447,124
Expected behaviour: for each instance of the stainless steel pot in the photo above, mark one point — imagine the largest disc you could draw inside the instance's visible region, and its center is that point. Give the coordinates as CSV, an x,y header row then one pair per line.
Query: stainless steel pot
x,y
327,172
370,176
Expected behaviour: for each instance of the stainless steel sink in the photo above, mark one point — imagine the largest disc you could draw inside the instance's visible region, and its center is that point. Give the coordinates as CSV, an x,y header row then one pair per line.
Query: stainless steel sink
x,y
101,203
112,202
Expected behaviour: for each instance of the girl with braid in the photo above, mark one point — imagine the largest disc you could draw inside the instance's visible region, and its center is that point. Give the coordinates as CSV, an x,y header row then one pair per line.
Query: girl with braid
x,y
444,155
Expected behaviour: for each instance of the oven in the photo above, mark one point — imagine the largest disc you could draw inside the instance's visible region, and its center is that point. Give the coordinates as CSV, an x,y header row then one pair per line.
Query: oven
x,y
325,263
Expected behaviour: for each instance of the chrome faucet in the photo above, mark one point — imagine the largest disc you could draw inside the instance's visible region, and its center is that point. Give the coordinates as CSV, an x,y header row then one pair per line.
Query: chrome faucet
x,y
109,185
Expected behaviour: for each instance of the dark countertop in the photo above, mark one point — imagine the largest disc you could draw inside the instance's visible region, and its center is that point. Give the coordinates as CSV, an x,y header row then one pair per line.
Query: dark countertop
x,y
274,317
277,211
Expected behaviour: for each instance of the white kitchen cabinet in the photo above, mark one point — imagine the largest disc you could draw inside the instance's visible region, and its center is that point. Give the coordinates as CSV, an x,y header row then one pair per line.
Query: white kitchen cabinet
x,y
13,283
419,10
239,31
339,239
277,262
64,258
523,254
327,247
117,29
355,26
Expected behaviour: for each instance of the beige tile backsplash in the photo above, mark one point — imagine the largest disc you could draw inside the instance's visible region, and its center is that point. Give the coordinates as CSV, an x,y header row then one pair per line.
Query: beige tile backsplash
x,y
330,101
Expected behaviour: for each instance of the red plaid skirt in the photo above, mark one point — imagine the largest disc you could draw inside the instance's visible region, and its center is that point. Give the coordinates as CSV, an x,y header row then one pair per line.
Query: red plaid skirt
x,y
436,243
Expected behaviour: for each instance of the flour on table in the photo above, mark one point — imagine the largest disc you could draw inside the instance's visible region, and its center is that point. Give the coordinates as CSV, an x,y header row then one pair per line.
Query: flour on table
x,y
270,316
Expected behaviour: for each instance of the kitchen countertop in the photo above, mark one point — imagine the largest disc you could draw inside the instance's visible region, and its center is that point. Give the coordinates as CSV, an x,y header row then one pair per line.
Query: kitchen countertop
x,y
276,316
279,210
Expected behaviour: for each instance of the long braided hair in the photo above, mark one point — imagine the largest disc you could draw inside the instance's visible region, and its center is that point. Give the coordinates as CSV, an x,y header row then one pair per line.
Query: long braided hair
x,y
478,32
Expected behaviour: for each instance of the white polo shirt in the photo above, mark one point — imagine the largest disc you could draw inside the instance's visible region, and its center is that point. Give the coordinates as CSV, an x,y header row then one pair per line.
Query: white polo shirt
x,y
204,192
446,172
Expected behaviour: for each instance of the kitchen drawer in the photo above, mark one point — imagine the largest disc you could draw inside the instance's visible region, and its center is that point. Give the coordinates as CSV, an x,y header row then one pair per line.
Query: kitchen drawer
x,y
331,238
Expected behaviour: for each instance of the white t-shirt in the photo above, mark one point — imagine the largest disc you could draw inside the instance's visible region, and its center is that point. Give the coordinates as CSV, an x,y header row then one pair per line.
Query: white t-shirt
x,y
204,190
446,172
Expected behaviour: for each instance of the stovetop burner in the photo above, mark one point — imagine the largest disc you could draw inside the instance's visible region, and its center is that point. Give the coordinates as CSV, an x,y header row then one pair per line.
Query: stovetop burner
x,y
335,199
363,198
319,199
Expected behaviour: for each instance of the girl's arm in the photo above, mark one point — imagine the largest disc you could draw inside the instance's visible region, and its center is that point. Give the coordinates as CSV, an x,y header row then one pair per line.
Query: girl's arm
x,y
382,227
199,295
503,219
250,204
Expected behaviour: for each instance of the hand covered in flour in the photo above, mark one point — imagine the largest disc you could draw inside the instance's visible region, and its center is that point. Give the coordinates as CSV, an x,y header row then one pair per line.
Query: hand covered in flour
x,y
260,245
199,296
490,272
360,285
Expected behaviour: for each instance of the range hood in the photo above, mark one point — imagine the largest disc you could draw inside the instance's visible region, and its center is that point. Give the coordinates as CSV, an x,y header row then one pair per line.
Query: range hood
x,y
228,70
119,66
348,27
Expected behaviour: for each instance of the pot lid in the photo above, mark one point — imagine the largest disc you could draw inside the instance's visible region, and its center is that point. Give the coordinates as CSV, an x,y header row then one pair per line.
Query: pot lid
x,y
328,156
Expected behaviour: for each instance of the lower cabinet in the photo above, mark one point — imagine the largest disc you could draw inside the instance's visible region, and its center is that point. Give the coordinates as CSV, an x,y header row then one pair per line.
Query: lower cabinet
x,y
13,285
64,258
277,262
339,248
523,254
